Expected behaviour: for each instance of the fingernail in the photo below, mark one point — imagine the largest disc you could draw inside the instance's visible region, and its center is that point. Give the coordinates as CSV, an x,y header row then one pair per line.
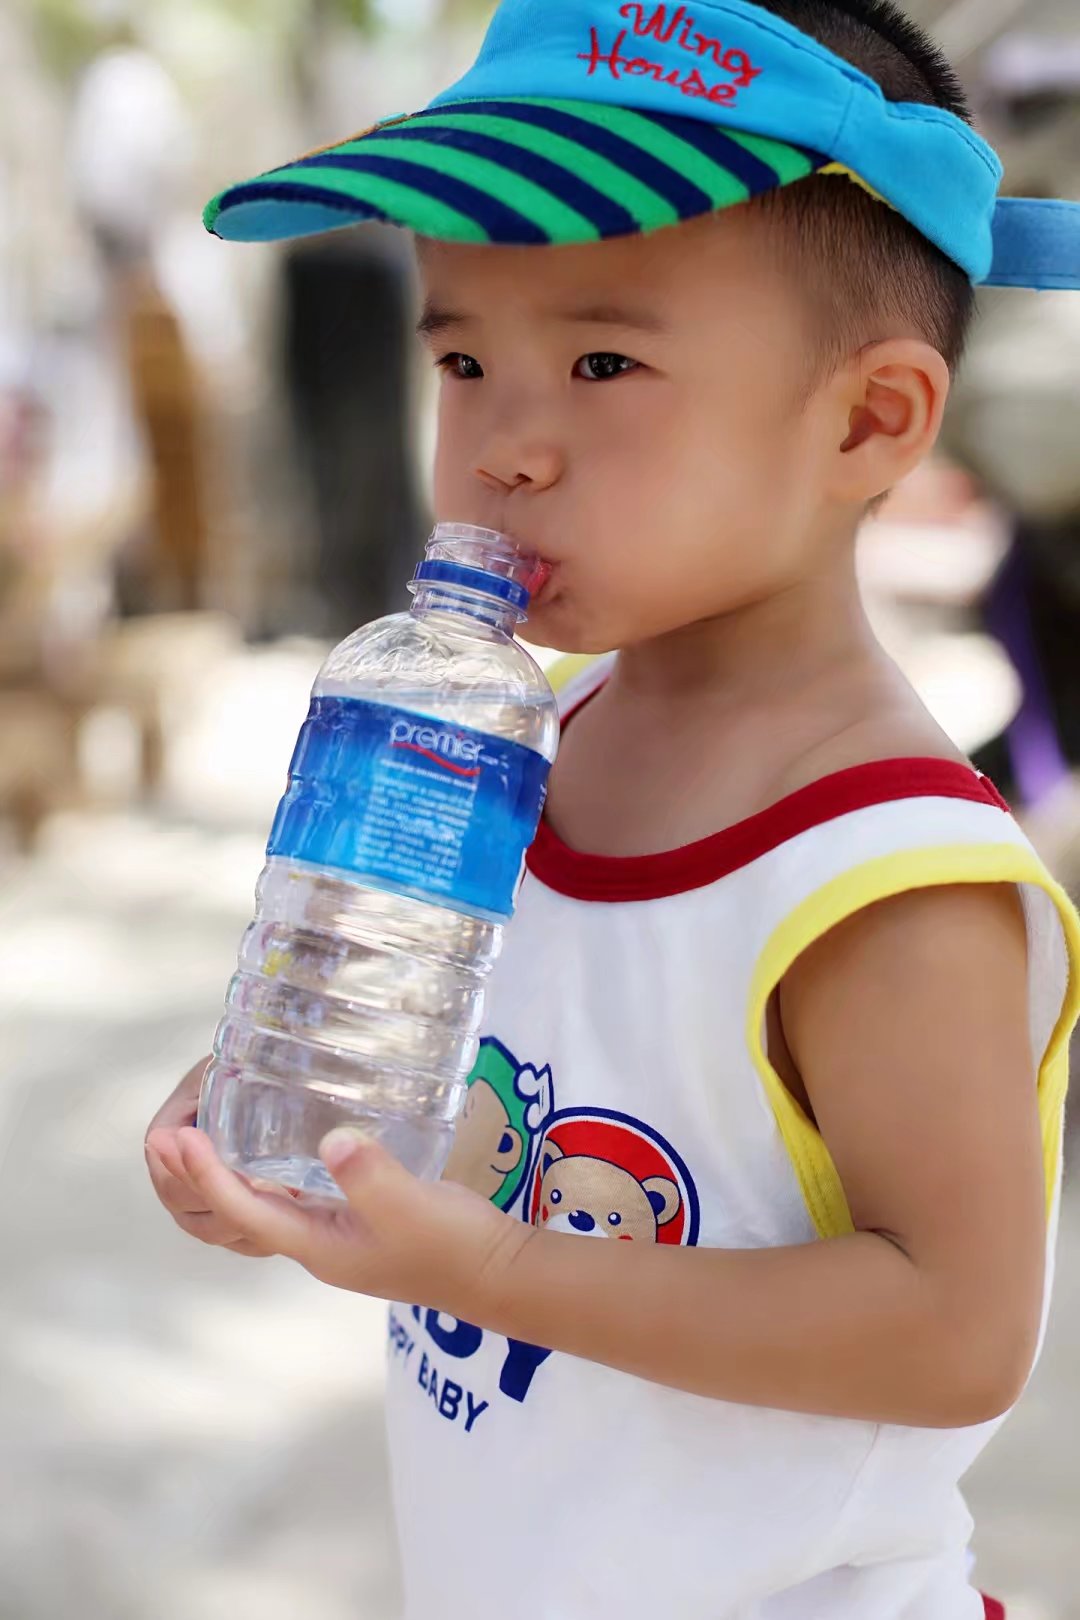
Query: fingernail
x,y
340,1145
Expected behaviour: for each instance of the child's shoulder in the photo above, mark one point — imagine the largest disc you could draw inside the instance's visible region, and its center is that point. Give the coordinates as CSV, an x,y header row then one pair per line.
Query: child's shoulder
x,y
891,732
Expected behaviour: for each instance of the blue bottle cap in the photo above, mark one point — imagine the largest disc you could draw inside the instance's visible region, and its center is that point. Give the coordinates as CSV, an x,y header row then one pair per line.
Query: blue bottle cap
x,y
474,579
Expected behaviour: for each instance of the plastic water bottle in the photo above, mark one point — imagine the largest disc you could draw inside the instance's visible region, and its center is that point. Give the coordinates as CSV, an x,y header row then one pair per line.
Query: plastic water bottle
x,y
416,787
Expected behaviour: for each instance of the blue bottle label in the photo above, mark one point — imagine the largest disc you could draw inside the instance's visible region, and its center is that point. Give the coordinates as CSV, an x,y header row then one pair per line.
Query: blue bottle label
x,y
397,798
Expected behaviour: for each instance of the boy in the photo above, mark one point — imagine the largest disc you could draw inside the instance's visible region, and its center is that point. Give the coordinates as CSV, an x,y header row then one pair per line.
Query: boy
x,y
788,992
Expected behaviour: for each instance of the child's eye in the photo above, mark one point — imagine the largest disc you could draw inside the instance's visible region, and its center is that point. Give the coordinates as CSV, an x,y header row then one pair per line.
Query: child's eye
x,y
462,366
601,367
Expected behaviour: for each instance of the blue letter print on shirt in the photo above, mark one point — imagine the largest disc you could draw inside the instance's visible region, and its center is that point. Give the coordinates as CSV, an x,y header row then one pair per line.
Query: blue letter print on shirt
x,y
450,1399
463,1340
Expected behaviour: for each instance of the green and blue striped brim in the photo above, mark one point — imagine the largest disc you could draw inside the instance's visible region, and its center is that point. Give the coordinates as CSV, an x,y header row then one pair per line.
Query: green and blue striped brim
x,y
517,171
586,119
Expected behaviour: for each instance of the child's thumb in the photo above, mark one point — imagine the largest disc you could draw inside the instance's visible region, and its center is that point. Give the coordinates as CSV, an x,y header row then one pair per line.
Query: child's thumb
x,y
361,1167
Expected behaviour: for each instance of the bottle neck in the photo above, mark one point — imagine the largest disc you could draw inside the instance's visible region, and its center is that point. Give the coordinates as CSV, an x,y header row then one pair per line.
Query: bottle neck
x,y
470,608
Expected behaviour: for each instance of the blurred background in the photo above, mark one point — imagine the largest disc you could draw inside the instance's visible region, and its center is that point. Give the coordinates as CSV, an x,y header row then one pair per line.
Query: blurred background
x,y
212,465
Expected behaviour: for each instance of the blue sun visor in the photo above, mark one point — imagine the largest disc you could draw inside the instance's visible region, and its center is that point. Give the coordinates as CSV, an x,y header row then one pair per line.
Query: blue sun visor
x,y
583,119
727,62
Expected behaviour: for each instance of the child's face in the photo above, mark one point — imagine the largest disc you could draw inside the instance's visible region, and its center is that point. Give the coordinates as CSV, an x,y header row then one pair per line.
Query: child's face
x,y
636,412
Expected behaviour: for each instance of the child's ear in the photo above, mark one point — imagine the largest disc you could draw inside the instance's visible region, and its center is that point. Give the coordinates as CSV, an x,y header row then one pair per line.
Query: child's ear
x,y
890,403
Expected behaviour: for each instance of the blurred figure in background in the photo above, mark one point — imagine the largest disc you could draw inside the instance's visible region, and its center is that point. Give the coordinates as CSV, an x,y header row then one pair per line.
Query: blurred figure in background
x,y
1015,423
132,147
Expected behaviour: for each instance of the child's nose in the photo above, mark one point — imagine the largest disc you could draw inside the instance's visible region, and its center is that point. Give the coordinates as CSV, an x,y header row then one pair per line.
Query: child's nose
x,y
508,465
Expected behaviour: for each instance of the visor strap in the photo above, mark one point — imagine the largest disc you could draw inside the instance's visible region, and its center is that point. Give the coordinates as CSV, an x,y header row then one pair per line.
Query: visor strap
x,y
1036,244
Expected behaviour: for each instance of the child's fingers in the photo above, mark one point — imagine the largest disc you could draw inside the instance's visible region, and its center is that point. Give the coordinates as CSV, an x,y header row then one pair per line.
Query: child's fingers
x,y
188,1208
209,1228
182,1106
370,1177
359,1165
163,1143
176,1195
262,1218
177,1112
250,1251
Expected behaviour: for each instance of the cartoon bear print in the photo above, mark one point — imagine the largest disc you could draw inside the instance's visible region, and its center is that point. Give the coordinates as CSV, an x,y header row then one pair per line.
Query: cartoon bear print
x,y
596,1199
599,1173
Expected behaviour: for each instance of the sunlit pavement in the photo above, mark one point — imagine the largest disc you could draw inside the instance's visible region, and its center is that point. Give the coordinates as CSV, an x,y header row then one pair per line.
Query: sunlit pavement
x,y
186,1433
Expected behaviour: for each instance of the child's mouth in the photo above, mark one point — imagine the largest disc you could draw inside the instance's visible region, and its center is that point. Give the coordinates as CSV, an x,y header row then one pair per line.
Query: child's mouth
x,y
538,579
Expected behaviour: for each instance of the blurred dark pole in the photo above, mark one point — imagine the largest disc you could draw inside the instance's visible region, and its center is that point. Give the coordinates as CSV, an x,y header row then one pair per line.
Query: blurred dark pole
x,y
346,317
346,302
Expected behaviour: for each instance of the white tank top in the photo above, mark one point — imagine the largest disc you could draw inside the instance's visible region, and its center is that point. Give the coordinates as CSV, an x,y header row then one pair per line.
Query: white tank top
x,y
623,1092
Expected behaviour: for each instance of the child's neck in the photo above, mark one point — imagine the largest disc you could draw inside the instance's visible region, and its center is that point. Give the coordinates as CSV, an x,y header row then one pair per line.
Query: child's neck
x,y
703,727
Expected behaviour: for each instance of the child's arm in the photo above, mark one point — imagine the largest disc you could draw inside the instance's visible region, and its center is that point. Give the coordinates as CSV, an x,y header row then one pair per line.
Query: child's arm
x,y
909,1027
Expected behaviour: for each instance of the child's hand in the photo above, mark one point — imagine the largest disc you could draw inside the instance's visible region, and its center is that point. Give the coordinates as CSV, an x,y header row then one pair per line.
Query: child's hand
x,y
184,1203
396,1237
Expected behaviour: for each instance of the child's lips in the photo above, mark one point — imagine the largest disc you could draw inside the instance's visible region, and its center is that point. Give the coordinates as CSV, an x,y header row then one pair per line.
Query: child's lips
x,y
540,569
538,579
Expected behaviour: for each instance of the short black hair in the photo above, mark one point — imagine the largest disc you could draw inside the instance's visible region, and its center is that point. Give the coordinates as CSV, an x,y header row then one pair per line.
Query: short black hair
x,y
863,263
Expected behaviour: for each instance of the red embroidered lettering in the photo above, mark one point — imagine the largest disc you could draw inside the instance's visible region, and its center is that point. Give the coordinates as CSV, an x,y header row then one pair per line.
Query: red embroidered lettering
x,y
596,57
738,63
694,85
663,27
704,46
657,24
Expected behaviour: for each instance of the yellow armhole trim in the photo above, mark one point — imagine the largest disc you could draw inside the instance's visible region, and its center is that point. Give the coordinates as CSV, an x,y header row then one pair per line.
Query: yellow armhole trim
x,y
879,880
565,669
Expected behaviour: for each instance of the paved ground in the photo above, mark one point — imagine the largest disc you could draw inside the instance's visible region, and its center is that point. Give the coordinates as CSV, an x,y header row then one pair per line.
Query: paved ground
x,y
187,1433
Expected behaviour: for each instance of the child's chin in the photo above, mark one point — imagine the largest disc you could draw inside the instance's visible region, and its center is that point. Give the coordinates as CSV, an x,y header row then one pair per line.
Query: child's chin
x,y
549,628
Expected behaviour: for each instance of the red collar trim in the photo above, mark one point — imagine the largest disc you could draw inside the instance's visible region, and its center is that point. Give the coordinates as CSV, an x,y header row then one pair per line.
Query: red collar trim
x,y
617,878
